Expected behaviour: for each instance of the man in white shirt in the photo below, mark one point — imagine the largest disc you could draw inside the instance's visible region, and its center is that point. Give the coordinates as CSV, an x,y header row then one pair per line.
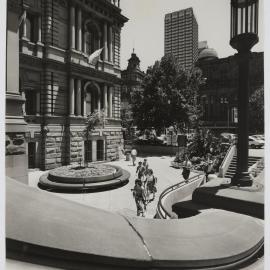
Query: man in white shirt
x,y
133,156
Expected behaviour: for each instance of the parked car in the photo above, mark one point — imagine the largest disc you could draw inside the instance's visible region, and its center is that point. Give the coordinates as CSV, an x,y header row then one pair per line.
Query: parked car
x,y
163,138
255,143
258,137
229,137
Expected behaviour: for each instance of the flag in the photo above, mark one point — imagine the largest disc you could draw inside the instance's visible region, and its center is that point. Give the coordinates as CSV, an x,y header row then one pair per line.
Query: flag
x,y
94,57
22,18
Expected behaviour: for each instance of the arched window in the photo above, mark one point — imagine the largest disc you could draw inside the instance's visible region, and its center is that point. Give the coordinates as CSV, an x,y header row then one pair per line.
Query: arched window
x,y
91,37
31,28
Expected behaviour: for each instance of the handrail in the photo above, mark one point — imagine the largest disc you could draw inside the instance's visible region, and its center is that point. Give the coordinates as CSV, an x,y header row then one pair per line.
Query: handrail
x,y
222,165
231,146
160,208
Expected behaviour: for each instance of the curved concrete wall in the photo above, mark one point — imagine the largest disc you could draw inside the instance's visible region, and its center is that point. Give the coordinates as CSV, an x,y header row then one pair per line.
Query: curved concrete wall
x,y
46,229
180,194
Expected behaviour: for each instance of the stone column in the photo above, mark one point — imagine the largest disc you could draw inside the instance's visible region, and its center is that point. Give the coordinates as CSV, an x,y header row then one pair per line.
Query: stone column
x,y
84,42
84,104
94,150
71,97
23,106
72,27
38,103
110,43
105,42
99,102
78,97
79,29
110,102
105,100
39,29
24,26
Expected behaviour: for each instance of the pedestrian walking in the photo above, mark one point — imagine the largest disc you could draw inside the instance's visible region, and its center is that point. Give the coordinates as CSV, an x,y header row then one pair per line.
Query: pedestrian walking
x,y
139,196
186,168
133,156
151,182
140,171
145,164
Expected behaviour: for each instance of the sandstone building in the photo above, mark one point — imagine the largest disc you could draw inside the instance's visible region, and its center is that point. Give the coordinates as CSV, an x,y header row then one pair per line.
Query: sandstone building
x,y
60,84
218,96
132,78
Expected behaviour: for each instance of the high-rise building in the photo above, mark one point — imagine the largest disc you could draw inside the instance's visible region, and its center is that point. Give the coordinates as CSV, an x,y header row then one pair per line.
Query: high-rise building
x,y
181,36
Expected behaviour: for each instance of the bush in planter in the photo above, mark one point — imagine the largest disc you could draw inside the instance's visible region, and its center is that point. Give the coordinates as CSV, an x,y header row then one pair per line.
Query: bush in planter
x,y
154,142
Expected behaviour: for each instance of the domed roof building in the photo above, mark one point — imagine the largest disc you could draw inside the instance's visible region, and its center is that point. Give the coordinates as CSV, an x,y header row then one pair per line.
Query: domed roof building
x,y
208,54
218,96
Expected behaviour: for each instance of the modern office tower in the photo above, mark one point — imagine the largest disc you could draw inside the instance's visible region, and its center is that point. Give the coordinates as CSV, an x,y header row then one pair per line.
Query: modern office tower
x,y
181,36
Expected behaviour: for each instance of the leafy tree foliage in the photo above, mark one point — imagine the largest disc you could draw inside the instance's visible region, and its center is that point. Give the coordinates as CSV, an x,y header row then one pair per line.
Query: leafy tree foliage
x,y
256,111
94,119
168,96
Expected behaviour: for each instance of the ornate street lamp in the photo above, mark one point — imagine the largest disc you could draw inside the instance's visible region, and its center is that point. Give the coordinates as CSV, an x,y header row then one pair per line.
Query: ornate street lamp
x,y
244,35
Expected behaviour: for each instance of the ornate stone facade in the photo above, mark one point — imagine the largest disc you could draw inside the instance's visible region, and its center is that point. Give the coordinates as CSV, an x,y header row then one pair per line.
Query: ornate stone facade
x,y
132,79
218,96
62,84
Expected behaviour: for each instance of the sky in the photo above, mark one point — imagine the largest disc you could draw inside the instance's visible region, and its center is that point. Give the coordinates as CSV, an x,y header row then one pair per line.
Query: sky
x,y
145,29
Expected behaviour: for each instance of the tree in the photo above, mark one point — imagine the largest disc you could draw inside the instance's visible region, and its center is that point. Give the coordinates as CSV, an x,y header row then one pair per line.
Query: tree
x,y
256,111
168,96
94,119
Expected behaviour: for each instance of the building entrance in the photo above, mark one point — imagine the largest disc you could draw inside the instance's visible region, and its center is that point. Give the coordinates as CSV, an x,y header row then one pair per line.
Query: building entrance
x,y
31,155
88,151
100,150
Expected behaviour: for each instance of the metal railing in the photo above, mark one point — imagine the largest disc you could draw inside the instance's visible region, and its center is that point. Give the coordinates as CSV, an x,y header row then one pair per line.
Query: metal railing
x,y
162,212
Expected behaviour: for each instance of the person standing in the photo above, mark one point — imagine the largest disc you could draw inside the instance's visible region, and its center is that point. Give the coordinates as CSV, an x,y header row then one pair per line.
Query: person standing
x,y
133,156
208,168
186,168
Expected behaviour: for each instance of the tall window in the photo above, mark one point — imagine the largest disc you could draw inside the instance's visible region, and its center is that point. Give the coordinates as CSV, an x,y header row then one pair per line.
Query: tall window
x,y
31,102
91,37
31,27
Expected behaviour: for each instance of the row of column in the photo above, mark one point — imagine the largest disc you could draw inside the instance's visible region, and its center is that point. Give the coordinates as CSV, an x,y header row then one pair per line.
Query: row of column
x,y
81,110
76,34
39,25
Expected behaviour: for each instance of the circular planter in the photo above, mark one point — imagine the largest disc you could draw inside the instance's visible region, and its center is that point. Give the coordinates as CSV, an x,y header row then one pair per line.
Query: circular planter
x,y
75,178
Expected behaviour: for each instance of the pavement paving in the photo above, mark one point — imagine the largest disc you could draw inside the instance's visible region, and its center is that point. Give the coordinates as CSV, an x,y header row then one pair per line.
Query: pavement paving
x,y
121,199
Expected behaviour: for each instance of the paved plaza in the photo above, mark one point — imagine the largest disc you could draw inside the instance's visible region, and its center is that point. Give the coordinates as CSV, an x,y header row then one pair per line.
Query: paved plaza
x,y
121,199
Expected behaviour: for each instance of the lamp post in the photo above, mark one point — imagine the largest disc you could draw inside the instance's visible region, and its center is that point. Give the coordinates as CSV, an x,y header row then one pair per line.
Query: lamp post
x,y
228,112
244,35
